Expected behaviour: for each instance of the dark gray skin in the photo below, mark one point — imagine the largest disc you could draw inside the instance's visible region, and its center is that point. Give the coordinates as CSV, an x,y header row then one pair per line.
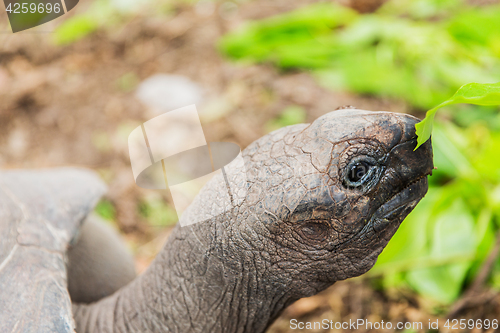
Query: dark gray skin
x,y
323,201
98,263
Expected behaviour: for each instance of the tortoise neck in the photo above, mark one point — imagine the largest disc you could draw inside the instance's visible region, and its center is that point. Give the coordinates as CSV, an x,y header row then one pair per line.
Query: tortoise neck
x,y
191,286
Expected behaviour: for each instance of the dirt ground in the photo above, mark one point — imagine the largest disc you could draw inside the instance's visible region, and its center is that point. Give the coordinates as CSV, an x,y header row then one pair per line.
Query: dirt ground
x,y
75,105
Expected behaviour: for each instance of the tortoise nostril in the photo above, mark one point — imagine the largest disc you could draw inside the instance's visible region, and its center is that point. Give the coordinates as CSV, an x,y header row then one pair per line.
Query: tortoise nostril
x,y
314,231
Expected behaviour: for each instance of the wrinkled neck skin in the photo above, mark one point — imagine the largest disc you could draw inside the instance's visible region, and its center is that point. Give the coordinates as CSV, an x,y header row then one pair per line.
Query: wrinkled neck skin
x,y
198,283
224,275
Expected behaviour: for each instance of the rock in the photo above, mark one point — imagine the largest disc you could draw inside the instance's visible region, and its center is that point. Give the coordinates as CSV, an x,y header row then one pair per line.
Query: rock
x,y
163,92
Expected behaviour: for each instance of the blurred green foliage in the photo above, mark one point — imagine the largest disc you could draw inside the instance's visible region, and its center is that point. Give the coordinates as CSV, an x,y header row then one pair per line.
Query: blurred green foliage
x,y
99,14
74,29
289,116
106,210
128,82
419,51
156,211
442,243
389,53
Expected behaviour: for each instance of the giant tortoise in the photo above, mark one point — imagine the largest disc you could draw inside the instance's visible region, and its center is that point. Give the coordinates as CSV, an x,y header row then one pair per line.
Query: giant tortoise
x,y
323,200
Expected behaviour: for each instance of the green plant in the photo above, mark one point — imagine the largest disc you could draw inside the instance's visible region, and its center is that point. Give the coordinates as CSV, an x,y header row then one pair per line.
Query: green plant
x,y
289,116
389,54
100,14
74,29
156,211
106,210
472,93
442,243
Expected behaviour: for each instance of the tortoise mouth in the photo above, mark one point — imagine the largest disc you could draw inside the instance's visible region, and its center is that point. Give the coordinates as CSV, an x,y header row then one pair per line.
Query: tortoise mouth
x,y
401,204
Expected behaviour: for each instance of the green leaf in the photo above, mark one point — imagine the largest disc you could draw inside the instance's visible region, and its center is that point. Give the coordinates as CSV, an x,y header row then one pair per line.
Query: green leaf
x,y
75,28
471,93
371,54
452,238
449,157
301,38
410,240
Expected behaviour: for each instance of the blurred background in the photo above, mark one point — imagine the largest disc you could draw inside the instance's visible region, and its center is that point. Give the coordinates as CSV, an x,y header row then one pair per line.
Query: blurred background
x,y
72,96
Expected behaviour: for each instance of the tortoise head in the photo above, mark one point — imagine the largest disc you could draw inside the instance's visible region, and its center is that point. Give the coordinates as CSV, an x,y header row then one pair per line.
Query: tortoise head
x,y
324,199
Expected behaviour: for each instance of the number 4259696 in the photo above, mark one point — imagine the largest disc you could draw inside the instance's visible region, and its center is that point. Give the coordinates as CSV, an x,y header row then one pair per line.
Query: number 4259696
x,y
24,8
455,324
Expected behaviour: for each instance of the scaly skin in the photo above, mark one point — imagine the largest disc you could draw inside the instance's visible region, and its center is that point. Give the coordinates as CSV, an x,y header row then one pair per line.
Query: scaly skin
x,y
304,224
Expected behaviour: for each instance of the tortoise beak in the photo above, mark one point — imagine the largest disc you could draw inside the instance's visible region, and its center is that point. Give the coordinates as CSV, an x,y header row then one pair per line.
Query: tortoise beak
x,y
411,164
400,204
410,169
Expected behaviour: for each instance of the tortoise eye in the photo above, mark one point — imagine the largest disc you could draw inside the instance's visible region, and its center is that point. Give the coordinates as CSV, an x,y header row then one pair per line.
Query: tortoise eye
x,y
360,172
314,231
